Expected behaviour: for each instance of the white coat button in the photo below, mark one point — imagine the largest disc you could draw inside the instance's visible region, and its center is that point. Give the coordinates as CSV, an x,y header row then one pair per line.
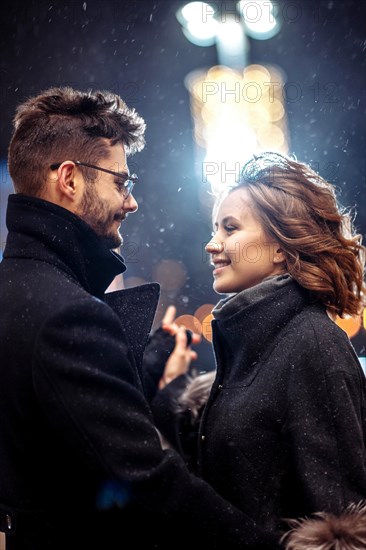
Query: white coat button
x,y
203,437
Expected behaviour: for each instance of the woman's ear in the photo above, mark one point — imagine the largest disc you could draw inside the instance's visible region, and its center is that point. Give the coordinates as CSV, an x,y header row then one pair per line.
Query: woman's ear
x,y
278,256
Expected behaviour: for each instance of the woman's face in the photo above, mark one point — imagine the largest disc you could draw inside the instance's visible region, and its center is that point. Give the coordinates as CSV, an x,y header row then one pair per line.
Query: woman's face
x,y
241,252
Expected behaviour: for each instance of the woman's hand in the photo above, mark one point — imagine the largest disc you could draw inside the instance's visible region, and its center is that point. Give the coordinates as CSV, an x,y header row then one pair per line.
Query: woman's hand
x,y
169,325
182,355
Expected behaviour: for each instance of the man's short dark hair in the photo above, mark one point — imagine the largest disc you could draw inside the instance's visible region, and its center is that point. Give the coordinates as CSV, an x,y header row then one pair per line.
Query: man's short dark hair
x,y
65,124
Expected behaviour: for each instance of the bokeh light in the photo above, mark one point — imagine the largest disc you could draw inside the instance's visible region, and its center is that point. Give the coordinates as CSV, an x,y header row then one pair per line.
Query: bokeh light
x,y
190,322
236,113
171,274
259,18
198,23
130,282
206,327
350,325
202,312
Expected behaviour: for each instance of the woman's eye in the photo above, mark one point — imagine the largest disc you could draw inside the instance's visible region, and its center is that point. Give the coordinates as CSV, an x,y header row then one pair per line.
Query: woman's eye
x,y
229,228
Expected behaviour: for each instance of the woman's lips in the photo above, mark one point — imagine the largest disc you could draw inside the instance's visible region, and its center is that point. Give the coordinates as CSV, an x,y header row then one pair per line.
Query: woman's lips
x,y
220,266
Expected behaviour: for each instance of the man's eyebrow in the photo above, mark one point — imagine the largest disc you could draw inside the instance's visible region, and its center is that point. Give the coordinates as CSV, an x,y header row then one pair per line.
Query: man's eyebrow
x,y
124,175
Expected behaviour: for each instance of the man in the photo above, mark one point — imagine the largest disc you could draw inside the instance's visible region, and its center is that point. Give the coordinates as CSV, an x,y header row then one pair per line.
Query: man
x,y
81,465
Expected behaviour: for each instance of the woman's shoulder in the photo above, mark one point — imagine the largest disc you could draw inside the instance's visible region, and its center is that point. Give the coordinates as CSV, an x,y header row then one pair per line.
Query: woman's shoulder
x,y
314,324
318,339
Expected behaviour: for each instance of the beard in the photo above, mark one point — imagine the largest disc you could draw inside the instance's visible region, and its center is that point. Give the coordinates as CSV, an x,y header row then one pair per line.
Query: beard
x,y
97,214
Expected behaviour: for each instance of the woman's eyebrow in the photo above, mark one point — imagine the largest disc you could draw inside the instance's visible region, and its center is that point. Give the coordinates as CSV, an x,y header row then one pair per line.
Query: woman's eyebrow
x,y
225,220
229,218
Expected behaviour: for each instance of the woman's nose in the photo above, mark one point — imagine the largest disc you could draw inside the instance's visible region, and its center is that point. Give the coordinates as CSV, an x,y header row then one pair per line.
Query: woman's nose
x,y
214,247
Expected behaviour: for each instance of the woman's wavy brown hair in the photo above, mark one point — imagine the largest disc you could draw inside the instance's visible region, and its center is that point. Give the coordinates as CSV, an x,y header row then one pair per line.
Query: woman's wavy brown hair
x,y
299,209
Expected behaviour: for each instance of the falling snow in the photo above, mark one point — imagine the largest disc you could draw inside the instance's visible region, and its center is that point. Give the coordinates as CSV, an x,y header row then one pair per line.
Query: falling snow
x,y
143,55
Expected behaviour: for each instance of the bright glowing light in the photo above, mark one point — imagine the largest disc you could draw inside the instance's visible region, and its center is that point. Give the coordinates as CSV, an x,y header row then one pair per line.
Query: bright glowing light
x,y
236,114
230,34
271,137
228,148
257,73
201,34
197,11
261,27
198,22
232,44
259,18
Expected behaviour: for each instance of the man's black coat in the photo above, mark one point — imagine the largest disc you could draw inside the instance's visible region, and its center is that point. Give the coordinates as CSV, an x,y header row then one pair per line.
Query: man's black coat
x,y
80,461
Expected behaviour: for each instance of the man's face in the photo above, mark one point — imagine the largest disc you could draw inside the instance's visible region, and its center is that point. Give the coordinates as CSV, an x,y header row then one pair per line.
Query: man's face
x,y
102,204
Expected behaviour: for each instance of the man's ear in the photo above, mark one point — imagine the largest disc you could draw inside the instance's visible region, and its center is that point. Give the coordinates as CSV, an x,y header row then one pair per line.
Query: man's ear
x,y
66,177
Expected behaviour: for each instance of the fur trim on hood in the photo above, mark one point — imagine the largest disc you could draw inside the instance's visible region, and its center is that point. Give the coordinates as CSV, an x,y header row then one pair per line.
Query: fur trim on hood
x,y
196,394
329,532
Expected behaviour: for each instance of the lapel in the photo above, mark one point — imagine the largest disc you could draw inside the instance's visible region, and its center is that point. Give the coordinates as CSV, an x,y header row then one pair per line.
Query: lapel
x,y
136,309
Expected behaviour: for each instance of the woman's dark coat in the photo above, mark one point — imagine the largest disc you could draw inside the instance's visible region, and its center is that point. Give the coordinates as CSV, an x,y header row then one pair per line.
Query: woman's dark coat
x,y
283,434
80,461
284,431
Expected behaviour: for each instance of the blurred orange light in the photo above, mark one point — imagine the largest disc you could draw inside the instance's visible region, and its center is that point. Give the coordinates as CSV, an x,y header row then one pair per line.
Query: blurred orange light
x,y
203,311
190,322
206,327
350,325
171,274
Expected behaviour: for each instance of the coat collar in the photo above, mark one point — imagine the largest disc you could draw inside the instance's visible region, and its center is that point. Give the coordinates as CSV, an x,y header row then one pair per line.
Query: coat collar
x,y
231,305
41,230
246,336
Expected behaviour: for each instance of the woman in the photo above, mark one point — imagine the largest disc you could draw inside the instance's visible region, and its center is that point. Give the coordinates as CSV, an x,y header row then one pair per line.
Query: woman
x,y
283,432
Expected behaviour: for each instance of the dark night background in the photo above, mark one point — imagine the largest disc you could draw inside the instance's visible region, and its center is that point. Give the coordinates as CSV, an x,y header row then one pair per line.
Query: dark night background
x,y
137,49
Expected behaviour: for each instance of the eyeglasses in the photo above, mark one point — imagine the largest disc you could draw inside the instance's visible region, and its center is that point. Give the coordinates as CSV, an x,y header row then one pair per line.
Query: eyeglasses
x,y
129,181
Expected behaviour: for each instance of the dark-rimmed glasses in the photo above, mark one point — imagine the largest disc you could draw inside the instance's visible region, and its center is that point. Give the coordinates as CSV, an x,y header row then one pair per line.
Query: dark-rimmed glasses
x,y
128,181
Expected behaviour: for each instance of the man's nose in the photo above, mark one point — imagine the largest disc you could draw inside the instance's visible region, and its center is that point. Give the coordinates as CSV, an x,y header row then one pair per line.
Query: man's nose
x,y
130,204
